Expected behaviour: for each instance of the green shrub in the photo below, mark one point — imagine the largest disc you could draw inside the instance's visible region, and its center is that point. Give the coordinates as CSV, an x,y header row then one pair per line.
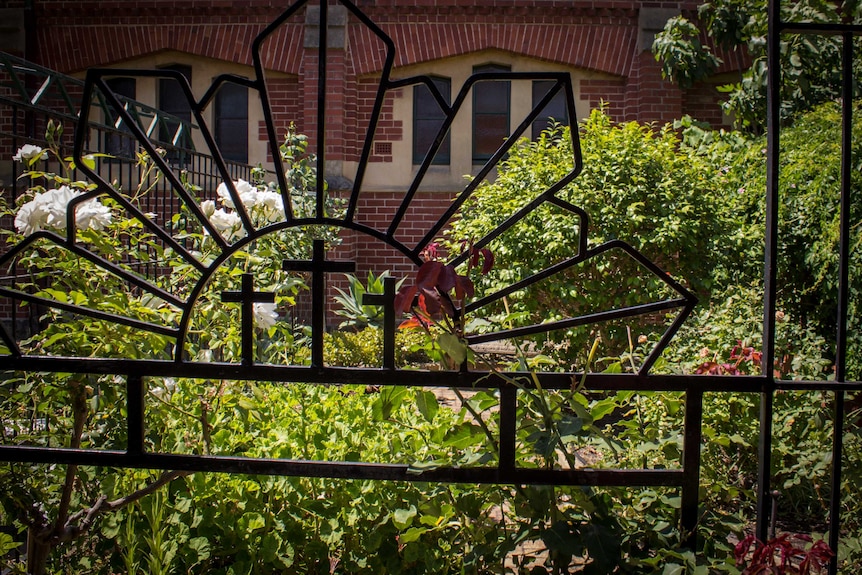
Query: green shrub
x,y
638,185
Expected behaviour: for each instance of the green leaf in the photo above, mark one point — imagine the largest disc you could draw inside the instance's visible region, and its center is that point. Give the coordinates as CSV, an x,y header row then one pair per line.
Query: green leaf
x,y
412,534
452,346
426,401
388,400
251,521
201,547
604,547
464,435
403,518
417,467
7,543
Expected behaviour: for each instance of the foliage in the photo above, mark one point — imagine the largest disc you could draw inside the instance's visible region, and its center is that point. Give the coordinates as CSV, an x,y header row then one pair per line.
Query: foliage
x,y
360,315
89,408
436,301
778,556
683,58
637,185
364,348
810,64
808,237
678,201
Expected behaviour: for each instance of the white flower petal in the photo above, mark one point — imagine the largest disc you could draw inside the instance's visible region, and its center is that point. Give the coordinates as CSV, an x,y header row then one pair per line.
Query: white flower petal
x,y
27,152
227,224
93,214
247,194
265,315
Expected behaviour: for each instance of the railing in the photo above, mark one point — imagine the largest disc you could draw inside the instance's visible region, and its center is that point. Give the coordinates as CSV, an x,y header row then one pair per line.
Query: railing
x,y
32,96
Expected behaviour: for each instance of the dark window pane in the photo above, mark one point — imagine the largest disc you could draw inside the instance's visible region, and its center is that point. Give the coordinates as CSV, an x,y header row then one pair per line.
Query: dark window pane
x,y
119,144
491,102
231,122
555,109
428,117
491,97
488,135
173,101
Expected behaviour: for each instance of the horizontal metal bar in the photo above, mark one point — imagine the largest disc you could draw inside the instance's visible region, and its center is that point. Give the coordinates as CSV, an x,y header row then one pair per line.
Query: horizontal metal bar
x,y
380,376
341,469
587,319
414,378
819,28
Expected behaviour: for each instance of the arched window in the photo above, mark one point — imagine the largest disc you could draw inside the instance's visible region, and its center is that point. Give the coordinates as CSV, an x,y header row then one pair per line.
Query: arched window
x,y
427,119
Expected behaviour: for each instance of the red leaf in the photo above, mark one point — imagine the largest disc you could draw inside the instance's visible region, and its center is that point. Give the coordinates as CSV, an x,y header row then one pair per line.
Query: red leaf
x,y
487,260
429,302
414,322
447,279
404,299
463,287
428,274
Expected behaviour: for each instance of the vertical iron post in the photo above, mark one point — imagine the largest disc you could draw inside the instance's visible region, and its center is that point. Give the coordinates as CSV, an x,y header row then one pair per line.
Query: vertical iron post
x,y
319,267
773,97
691,465
843,293
508,416
387,300
321,108
135,415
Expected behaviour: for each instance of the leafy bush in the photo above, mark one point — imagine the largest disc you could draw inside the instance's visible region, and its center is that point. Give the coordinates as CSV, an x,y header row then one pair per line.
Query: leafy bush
x,y
638,185
807,282
365,348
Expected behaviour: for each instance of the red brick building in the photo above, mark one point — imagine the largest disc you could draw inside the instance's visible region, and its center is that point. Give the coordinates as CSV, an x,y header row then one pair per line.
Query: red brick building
x,y
603,45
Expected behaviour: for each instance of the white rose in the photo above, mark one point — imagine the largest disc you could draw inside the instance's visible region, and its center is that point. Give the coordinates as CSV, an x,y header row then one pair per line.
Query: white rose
x,y
227,224
271,205
265,315
31,218
27,152
247,194
208,208
93,214
56,203
47,209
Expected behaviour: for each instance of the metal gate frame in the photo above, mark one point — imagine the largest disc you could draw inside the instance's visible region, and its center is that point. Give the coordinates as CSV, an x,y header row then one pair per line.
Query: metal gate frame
x,y
686,478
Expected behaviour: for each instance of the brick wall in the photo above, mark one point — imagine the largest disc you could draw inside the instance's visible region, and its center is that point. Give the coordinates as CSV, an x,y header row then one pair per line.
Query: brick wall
x,y
602,38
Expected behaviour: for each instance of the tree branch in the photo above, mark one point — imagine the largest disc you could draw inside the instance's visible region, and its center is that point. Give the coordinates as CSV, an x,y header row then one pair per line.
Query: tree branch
x,y
72,529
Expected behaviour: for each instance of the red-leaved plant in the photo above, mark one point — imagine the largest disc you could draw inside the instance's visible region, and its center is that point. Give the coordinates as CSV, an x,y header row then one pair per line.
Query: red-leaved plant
x,y
437,297
781,556
743,359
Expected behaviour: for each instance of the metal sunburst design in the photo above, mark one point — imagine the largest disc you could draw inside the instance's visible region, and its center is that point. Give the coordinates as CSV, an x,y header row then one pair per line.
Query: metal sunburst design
x,y
176,325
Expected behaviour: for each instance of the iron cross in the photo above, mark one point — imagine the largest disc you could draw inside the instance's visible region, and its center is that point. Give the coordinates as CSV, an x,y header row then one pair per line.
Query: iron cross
x,y
247,297
387,300
319,267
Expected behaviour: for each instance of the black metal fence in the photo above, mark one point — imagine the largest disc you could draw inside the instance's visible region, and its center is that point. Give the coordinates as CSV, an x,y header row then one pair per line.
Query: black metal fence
x,y
686,478
840,386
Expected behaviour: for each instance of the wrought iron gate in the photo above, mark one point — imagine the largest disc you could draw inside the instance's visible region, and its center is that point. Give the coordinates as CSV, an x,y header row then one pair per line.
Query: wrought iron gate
x,y
134,371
